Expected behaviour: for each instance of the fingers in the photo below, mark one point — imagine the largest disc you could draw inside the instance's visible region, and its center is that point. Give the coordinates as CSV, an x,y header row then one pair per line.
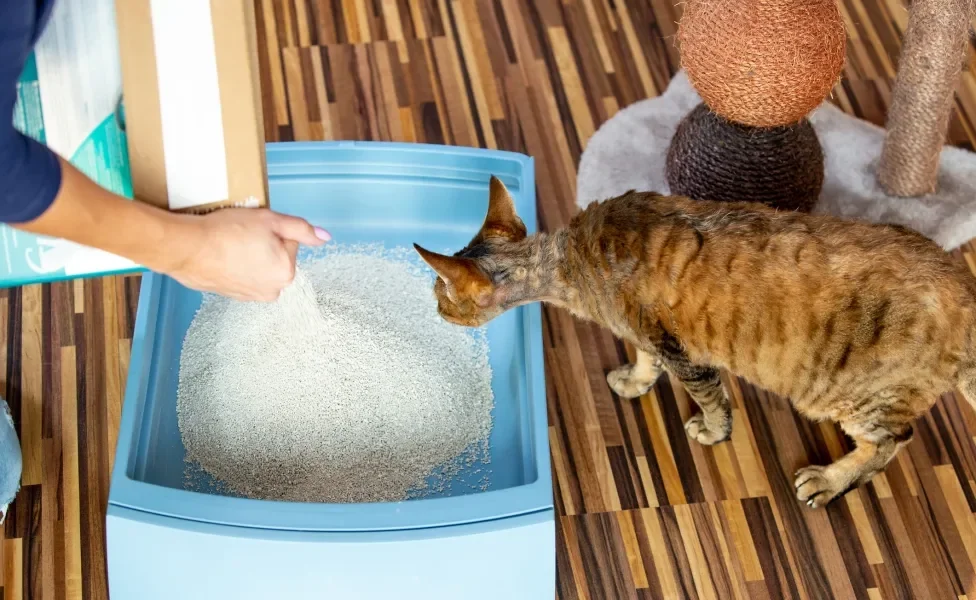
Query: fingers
x,y
292,247
291,250
292,231
279,274
299,230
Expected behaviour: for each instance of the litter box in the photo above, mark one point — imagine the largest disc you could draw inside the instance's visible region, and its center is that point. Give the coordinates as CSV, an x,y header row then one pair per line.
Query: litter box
x,y
167,542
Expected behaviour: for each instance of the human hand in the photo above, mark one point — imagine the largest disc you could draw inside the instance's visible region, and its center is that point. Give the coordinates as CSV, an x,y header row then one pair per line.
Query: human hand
x,y
243,253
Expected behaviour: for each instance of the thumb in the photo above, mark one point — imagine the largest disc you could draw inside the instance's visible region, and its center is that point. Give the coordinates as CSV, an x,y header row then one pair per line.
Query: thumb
x,y
299,230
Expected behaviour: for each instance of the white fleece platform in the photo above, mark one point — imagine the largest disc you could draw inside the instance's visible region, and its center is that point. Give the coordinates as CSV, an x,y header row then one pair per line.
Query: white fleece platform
x,y
629,151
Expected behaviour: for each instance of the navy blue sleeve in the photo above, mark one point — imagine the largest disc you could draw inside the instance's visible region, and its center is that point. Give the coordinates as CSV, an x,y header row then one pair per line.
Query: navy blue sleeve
x,y
30,174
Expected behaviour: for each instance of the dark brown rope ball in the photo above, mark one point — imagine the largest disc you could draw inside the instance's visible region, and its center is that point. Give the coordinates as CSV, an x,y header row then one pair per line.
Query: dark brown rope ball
x,y
711,158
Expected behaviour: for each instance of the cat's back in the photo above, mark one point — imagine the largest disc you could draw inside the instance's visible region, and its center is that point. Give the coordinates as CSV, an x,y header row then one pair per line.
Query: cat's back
x,y
767,240
764,292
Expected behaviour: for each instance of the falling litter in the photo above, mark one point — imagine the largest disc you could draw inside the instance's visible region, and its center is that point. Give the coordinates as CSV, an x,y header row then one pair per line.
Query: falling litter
x,y
349,388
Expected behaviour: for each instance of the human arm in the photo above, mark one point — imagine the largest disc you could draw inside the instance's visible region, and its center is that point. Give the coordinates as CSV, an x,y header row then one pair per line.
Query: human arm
x,y
242,253
245,253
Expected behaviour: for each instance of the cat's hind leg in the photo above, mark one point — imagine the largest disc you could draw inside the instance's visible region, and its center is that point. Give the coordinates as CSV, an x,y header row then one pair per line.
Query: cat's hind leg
x,y
704,384
633,380
878,432
714,423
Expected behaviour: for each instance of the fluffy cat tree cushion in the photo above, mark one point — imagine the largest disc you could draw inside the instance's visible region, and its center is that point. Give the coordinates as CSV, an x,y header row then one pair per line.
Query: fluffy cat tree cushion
x,y
630,150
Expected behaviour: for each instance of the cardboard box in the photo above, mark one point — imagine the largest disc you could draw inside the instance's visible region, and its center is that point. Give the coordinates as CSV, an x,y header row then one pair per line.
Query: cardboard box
x,y
189,138
193,99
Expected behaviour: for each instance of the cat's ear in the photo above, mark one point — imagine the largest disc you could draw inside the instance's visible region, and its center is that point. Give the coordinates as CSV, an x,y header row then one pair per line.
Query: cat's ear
x,y
501,220
467,279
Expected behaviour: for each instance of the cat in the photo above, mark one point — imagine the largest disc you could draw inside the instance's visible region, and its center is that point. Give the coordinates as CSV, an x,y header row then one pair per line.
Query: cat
x,y
865,325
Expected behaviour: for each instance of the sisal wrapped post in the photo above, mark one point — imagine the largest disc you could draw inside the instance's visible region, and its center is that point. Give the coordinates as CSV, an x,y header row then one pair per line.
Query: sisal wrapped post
x,y
760,67
932,56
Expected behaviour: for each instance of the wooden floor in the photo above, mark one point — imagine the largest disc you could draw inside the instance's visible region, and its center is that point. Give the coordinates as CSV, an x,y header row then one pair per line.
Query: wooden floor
x,y
643,513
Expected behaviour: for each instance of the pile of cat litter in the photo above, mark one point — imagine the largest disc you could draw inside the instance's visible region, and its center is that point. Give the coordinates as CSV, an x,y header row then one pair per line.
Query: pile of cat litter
x,y
349,388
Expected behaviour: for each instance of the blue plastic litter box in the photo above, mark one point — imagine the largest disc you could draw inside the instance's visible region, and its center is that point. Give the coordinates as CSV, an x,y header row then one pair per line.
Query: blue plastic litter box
x,y
166,542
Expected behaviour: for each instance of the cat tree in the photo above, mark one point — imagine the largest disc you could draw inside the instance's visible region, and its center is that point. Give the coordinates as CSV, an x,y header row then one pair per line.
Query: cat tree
x,y
760,67
747,119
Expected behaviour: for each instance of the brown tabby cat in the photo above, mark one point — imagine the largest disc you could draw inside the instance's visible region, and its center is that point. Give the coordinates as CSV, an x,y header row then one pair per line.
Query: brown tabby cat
x,y
862,324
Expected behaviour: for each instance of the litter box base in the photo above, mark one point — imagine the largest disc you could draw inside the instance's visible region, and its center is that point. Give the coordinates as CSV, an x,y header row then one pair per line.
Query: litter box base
x,y
513,559
464,542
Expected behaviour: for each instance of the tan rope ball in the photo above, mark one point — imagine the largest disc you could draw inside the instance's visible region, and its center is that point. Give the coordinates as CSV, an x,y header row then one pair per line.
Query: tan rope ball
x,y
763,63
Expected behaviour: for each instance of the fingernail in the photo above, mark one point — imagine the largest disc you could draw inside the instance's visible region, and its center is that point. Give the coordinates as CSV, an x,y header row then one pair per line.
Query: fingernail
x,y
322,234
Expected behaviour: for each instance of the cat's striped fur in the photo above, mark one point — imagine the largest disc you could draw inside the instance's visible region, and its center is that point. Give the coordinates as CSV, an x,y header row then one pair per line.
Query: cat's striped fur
x,y
861,324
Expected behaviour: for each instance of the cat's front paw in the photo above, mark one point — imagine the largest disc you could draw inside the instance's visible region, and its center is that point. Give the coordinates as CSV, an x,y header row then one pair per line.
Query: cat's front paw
x,y
699,431
626,384
816,487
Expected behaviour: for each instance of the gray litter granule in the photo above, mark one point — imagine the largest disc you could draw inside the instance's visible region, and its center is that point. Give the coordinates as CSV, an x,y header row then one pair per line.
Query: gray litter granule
x,y
349,388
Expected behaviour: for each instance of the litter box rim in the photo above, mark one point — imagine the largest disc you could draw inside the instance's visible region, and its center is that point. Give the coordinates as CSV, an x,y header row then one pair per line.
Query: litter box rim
x,y
140,500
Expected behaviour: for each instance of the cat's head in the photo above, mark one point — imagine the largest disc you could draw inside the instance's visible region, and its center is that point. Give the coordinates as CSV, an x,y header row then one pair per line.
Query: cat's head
x,y
473,286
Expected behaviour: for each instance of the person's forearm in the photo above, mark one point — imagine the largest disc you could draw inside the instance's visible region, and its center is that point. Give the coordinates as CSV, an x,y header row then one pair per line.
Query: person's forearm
x,y
87,214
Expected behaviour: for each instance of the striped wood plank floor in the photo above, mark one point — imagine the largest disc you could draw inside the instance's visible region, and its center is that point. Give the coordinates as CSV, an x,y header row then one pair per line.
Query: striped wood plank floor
x,y
643,513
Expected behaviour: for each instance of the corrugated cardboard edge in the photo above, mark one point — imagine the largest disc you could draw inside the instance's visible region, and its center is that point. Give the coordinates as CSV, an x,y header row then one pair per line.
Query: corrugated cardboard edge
x,y
240,96
141,98
235,37
249,202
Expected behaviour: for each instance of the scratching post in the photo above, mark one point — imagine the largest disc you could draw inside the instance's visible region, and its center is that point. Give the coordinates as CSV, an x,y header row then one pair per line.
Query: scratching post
x,y
932,56
696,139
760,67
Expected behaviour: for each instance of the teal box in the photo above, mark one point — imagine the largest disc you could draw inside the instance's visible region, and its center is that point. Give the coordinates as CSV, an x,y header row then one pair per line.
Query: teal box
x,y
69,98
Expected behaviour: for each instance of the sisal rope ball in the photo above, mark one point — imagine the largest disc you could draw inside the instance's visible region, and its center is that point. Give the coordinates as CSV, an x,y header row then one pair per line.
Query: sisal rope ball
x,y
711,158
763,63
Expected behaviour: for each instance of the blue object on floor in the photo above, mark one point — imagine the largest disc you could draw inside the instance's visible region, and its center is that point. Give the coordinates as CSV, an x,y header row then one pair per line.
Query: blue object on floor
x,y
11,460
166,542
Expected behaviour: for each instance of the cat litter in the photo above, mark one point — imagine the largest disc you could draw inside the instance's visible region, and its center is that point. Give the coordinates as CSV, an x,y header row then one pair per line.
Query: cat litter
x,y
349,388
